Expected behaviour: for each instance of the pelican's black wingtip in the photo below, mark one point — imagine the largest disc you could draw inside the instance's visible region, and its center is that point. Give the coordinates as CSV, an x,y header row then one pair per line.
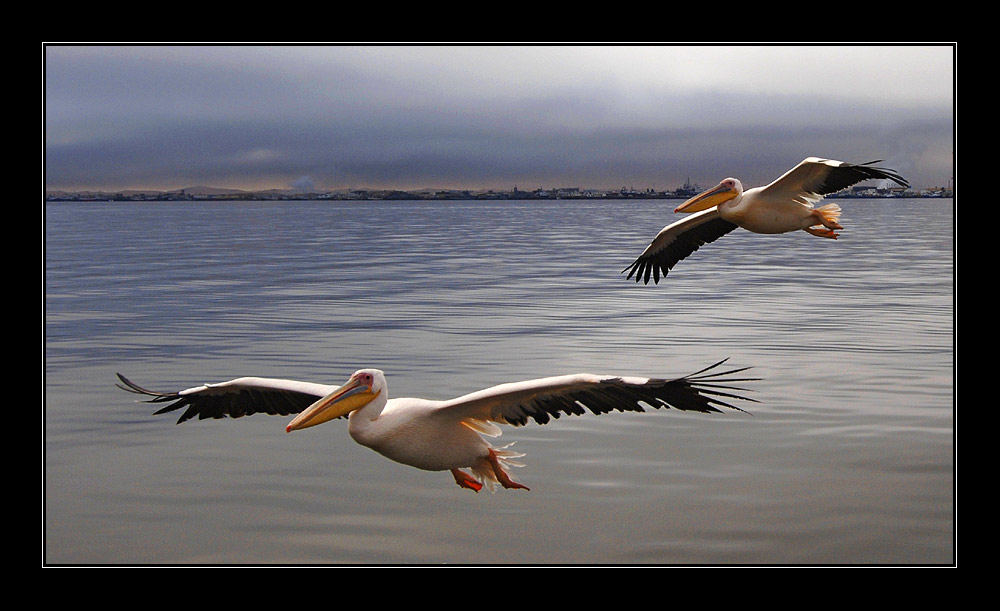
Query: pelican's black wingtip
x,y
717,383
885,173
156,397
126,384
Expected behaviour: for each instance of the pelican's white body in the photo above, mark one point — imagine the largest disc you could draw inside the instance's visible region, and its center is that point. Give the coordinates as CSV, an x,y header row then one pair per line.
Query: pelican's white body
x,y
417,432
760,211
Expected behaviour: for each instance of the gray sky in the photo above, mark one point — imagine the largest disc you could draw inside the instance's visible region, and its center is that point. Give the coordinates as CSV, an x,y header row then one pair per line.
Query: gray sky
x,y
251,117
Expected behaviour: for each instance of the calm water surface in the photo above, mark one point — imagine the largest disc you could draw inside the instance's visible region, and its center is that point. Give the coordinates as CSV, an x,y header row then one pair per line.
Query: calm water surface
x,y
848,457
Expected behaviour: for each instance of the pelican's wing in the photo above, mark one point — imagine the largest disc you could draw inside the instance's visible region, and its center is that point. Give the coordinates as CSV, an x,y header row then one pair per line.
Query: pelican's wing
x,y
236,398
676,241
813,178
704,391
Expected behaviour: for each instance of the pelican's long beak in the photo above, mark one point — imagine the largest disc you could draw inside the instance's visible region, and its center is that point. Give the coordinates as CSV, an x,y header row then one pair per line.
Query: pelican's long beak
x,y
704,201
349,397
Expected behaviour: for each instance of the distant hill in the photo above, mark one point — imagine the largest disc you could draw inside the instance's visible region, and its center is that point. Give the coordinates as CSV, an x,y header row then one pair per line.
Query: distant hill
x,y
202,192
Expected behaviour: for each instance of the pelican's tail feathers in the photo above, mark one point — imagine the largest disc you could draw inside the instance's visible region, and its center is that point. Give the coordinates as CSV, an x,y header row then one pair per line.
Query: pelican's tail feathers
x,y
493,470
484,473
829,216
504,456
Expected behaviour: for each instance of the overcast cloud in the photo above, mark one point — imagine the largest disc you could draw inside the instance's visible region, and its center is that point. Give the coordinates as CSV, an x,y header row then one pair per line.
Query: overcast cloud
x,y
330,117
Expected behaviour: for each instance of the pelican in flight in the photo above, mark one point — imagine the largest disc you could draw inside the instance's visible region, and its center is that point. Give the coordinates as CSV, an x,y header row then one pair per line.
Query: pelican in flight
x,y
448,435
782,206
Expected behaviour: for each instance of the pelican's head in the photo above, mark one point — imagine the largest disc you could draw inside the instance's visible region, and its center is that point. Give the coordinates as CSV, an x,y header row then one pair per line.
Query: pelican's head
x,y
363,387
720,194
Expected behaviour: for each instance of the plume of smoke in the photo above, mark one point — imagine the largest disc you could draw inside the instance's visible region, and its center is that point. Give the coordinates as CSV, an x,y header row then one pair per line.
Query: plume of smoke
x,y
304,184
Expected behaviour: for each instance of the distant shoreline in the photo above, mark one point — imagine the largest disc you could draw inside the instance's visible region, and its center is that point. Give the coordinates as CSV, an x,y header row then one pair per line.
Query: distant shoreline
x,y
438,196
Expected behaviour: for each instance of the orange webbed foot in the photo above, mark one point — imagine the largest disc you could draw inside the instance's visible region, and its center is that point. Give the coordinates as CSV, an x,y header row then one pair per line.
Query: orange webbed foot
x,y
502,476
464,480
823,233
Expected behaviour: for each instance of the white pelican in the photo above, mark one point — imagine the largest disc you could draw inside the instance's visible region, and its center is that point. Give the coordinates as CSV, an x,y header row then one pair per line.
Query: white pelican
x,y
447,435
782,206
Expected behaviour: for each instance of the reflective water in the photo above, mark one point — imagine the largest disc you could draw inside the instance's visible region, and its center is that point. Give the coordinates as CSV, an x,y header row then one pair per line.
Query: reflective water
x,y
848,457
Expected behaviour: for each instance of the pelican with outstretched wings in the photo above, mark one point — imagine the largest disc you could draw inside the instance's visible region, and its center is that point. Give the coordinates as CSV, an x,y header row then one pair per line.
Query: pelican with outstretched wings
x,y
448,435
782,206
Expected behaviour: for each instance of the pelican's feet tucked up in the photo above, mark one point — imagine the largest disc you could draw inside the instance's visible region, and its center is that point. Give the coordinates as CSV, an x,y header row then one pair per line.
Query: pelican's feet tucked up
x,y
465,480
490,470
823,232
827,216
502,476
